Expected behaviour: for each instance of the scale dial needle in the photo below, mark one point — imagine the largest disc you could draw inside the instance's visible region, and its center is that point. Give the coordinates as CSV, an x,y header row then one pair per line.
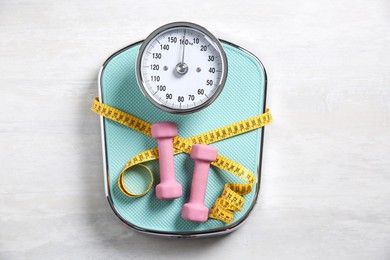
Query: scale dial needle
x,y
181,67
184,47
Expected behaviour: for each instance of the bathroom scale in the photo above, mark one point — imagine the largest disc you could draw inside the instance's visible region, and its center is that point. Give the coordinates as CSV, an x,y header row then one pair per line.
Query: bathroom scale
x,y
214,93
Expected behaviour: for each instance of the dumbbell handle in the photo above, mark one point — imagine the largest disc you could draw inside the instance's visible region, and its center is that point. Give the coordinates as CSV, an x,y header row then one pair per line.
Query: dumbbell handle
x,y
165,153
168,188
199,181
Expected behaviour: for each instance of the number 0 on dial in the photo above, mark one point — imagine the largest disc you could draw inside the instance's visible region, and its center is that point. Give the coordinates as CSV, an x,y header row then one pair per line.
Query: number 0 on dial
x,y
181,67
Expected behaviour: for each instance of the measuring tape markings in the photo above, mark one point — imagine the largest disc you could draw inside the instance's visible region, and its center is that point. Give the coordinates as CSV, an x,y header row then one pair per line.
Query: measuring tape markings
x,y
231,199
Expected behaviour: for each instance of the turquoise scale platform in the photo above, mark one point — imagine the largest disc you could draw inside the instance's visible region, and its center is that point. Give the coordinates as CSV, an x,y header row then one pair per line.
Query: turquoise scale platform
x,y
242,97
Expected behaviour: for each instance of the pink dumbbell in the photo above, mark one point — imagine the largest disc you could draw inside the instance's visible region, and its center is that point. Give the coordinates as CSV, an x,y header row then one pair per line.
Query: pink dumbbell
x,y
195,210
168,188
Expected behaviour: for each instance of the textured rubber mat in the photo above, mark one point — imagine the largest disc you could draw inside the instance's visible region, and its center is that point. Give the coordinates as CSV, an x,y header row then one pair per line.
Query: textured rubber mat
x,y
242,97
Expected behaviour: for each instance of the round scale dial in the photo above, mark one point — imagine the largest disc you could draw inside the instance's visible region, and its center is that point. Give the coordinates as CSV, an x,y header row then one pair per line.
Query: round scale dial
x,y
181,67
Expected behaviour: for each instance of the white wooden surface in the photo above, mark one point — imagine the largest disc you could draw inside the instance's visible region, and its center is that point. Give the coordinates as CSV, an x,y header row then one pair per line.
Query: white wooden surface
x,y
326,173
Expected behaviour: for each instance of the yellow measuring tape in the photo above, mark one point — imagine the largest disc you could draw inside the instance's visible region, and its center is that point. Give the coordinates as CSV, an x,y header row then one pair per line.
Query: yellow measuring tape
x,y
231,198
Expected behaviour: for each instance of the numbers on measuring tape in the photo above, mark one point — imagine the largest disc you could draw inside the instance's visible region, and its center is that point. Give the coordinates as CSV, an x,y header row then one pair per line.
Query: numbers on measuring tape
x,y
181,67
